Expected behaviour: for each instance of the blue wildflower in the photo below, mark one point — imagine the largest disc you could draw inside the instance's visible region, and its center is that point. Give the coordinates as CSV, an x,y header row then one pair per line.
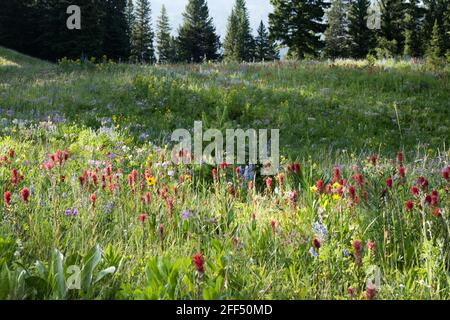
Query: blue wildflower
x,y
185,214
313,252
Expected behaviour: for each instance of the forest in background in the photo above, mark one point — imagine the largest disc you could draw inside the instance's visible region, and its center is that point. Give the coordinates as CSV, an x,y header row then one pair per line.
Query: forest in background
x,y
123,30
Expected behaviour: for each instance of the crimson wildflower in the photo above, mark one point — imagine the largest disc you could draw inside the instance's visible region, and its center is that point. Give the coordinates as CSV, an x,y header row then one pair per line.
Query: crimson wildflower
x,y
371,292
336,174
389,182
352,192
357,251
409,205
25,193
7,197
316,243
142,218
351,292
14,176
414,190
269,183
93,198
199,262
422,182
434,198
297,168
214,174
371,245
437,212
161,231
319,186
273,224
428,199
11,153
401,171
446,173
373,159
293,197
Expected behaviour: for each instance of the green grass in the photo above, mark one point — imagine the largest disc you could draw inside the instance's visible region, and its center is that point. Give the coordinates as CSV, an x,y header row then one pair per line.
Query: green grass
x,y
121,116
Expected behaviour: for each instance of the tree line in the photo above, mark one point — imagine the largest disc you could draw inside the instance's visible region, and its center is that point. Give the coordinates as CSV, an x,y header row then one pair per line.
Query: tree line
x,y
123,30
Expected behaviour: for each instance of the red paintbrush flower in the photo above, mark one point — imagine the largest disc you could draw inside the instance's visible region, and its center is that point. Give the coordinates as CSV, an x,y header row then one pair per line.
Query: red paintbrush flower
x,y
371,292
214,174
371,245
293,197
409,205
401,171
446,173
428,199
414,190
389,182
11,153
14,176
199,262
280,180
142,218
373,159
7,198
269,183
352,192
319,186
161,231
434,198
336,174
169,202
350,292
273,224
356,244
297,168
147,198
93,198
316,243
25,193
358,178
437,212
422,182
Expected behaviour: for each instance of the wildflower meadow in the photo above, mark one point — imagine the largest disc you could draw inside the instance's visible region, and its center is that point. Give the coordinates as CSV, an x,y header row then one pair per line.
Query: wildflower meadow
x,y
93,207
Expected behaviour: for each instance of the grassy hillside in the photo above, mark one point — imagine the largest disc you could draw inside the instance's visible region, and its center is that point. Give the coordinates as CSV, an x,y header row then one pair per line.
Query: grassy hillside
x,y
360,209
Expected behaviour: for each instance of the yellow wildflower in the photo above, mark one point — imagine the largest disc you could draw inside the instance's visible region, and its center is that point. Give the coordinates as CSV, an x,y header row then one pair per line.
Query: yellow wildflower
x,y
336,197
313,189
151,181
336,185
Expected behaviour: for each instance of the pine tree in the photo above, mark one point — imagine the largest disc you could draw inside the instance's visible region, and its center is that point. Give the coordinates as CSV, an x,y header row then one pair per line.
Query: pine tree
x,y
163,38
264,47
230,42
362,38
298,24
412,27
129,14
434,51
197,39
262,43
116,41
337,39
142,49
391,35
437,12
239,42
